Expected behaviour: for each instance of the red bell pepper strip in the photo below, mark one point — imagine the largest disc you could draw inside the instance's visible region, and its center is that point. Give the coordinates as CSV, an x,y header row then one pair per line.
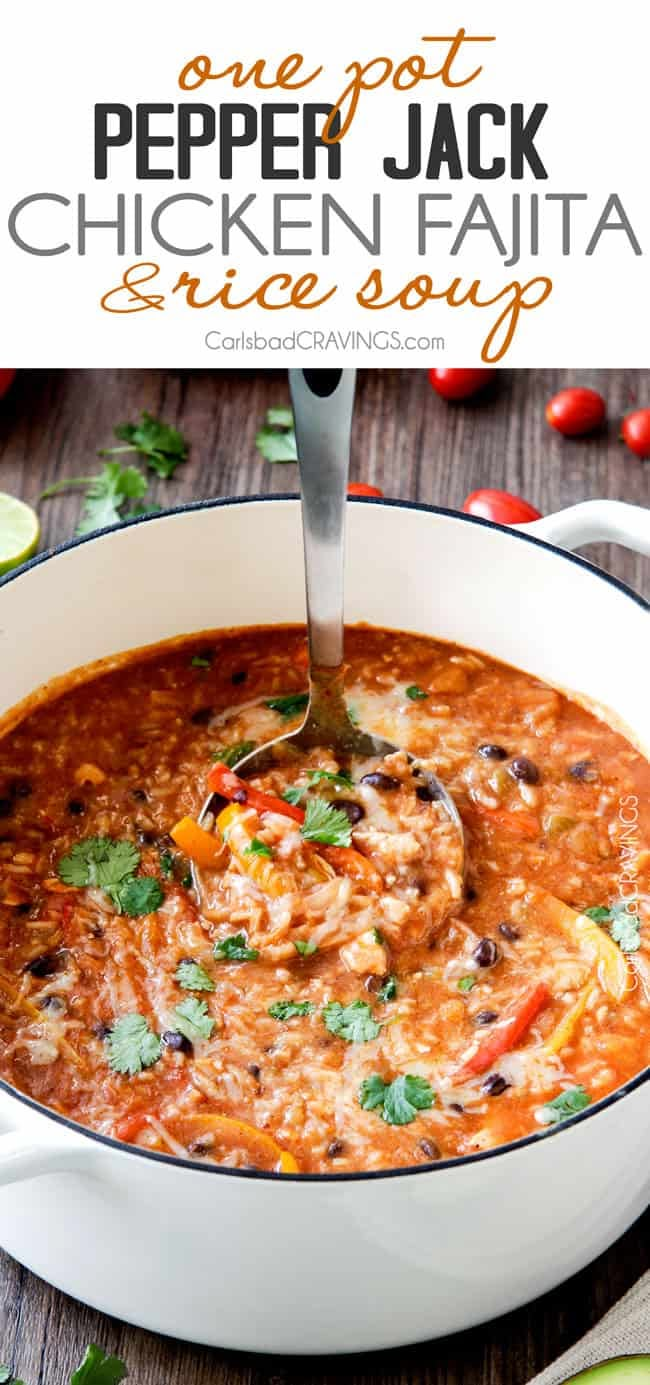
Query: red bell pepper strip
x,y
504,1037
517,824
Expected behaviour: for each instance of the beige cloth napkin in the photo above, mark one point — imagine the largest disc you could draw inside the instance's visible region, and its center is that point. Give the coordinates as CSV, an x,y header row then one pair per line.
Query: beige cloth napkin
x,y
624,1331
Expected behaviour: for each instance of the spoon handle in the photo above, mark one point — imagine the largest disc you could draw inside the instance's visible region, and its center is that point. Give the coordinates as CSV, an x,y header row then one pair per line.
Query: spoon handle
x,y
322,404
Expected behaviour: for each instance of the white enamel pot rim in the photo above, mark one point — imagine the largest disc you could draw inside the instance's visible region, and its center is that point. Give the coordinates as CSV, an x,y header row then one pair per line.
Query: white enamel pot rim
x,y
589,521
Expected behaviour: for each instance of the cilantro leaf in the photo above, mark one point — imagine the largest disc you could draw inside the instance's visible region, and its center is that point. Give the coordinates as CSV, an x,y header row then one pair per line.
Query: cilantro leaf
x,y
293,794
466,983
193,977
624,923
342,779
201,661
353,1022
230,755
141,894
163,446
388,990
167,864
106,495
236,949
288,706
99,1369
305,946
326,824
568,1103
598,914
258,848
416,693
5,1374
99,861
192,1019
132,1045
400,1100
286,1009
276,440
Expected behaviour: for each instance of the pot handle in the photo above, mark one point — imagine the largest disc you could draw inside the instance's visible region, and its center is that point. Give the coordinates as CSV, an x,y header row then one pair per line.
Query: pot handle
x,y
595,521
23,1157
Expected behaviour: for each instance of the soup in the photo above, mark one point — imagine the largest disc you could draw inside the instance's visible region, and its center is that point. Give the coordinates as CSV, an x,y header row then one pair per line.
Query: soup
x,y
330,992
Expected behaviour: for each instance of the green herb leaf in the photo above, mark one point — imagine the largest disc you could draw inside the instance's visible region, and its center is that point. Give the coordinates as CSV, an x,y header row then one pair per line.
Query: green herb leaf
x,y
286,1009
305,946
186,882
293,795
167,864
288,706
5,1374
415,693
142,894
258,848
388,990
236,949
230,755
378,936
326,824
193,977
132,1045
191,1018
466,983
276,440
99,1369
163,446
599,914
201,661
568,1103
624,926
400,1100
342,779
107,493
353,1022
99,861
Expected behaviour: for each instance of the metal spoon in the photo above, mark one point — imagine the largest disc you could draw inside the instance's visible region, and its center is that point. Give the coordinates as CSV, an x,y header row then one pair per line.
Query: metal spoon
x,y
322,404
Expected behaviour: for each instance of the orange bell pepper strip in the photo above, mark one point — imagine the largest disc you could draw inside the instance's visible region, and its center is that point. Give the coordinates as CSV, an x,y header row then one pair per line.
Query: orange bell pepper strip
x,y
519,824
344,859
232,1132
237,827
202,847
612,967
505,1035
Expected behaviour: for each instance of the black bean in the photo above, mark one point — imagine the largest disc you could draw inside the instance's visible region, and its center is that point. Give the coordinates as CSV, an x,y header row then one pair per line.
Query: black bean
x,y
191,961
201,1146
178,1043
202,716
77,807
495,1084
53,1003
456,1106
139,795
470,894
492,752
430,1148
241,796
353,811
512,934
239,677
20,788
101,1031
45,965
6,807
335,1148
255,1071
586,771
485,953
428,793
22,909
486,1017
374,983
146,837
524,770
377,780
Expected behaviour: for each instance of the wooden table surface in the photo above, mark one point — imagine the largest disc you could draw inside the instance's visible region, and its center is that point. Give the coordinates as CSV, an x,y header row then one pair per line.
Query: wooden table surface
x,y
414,446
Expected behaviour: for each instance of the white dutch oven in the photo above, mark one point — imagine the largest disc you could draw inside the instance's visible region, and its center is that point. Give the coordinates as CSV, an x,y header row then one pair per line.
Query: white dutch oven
x,y
345,1263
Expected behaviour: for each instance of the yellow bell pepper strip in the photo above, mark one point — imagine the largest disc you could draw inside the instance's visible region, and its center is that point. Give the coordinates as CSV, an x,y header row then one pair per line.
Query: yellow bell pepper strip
x,y
344,859
200,846
237,826
612,967
230,1131
503,1037
565,1030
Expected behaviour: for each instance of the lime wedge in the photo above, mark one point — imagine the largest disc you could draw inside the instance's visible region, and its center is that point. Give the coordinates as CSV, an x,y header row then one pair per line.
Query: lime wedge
x,y
19,532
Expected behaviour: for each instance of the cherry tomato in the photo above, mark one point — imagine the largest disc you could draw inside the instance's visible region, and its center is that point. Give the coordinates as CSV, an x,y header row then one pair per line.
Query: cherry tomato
x,y
460,384
635,431
6,379
500,506
360,488
576,411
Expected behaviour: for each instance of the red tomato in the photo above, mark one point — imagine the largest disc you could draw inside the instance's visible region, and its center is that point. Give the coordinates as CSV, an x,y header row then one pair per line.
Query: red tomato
x,y
635,431
6,379
576,411
360,488
500,506
460,384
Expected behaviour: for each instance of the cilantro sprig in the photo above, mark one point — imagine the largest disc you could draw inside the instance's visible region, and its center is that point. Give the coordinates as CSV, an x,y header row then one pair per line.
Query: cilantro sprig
x,y
162,446
230,755
568,1103
326,824
624,926
193,977
353,1022
258,848
110,865
96,1369
288,706
236,949
287,1009
276,439
398,1102
416,693
131,1045
305,947
466,983
191,1018
389,990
